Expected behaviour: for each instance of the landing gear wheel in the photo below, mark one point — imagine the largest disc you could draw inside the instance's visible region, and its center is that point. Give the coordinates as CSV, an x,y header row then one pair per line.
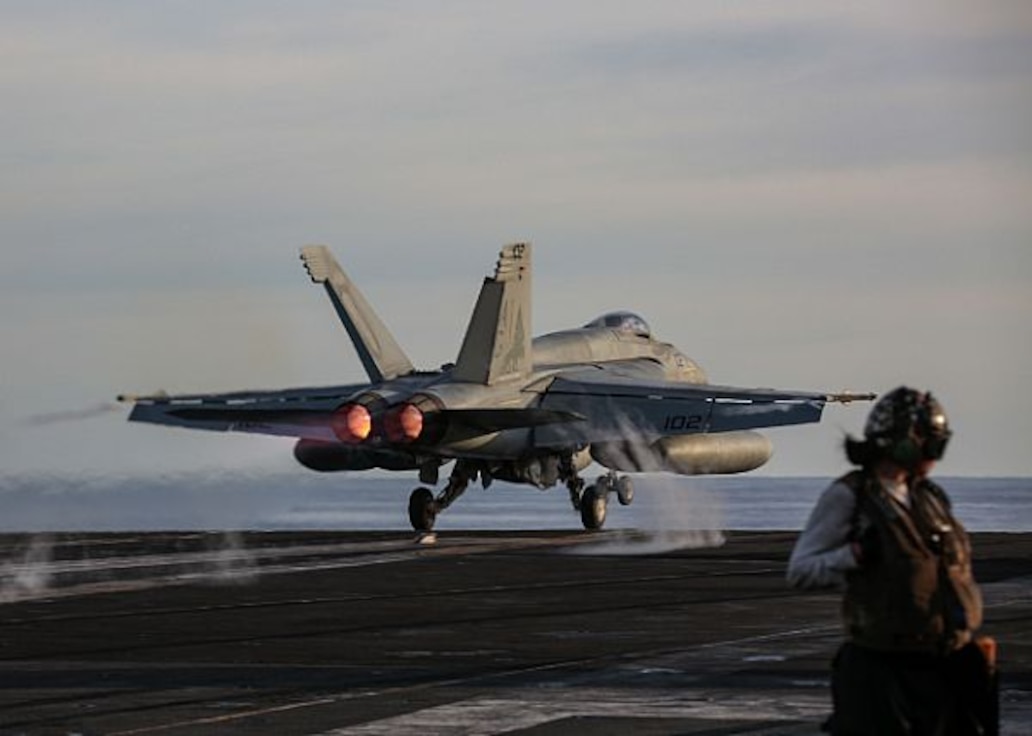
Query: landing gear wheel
x,y
422,509
625,490
593,509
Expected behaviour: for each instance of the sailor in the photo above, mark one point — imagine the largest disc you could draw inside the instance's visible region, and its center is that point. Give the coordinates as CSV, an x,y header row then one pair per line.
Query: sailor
x,y
886,533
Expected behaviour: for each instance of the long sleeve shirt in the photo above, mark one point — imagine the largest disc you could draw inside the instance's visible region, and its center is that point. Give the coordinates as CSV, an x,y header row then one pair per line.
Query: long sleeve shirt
x,y
823,554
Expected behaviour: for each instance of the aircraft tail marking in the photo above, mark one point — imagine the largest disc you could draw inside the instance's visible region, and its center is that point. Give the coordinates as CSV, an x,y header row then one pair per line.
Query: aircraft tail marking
x,y
379,352
496,347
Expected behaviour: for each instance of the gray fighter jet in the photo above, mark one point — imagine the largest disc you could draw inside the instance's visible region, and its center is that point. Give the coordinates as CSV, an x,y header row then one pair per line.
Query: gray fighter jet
x,y
534,411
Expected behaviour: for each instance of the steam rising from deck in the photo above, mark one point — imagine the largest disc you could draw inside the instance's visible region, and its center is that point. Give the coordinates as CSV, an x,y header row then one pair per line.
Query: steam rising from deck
x,y
671,517
28,574
232,562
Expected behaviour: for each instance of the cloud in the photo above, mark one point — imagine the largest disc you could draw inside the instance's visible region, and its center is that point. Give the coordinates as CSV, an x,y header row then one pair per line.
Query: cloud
x,y
793,176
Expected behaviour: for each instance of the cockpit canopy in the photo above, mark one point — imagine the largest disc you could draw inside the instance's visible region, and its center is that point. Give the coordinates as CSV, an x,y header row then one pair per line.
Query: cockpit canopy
x,y
628,322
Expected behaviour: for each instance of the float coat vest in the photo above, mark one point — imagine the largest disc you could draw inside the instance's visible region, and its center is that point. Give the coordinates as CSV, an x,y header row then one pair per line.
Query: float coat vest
x,y
916,592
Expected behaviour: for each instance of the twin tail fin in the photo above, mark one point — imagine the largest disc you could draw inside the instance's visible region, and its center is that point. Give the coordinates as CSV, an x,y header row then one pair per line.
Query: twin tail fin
x,y
497,345
381,356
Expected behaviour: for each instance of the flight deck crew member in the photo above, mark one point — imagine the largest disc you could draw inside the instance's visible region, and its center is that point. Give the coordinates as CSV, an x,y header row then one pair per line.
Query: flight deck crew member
x,y
886,533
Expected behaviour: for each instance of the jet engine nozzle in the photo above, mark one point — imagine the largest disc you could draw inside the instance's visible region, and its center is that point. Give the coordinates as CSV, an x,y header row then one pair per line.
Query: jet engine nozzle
x,y
352,423
403,424
419,420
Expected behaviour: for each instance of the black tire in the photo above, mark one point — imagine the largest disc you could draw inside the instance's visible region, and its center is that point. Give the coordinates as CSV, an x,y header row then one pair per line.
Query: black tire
x,y
625,490
422,510
593,509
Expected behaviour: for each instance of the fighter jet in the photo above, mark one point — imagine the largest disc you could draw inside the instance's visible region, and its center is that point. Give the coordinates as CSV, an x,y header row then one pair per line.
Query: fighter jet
x,y
512,408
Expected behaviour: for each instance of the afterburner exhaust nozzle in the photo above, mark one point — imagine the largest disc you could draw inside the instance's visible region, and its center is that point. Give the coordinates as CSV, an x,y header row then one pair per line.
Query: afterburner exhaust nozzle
x,y
403,424
352,423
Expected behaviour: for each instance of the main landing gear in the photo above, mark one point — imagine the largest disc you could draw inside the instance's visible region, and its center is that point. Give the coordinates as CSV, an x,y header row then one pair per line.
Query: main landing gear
x,y
590,501
423,506
593,500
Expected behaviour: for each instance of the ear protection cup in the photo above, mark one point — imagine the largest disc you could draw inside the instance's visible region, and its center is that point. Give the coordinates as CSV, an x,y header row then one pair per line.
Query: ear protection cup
x,y
906,452
906,447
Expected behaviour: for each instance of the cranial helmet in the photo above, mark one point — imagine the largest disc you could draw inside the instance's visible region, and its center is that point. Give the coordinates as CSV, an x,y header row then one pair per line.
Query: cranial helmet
x,y
908,426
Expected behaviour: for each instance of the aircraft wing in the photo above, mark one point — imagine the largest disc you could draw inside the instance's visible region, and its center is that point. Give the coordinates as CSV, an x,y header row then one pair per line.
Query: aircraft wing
x,y
303,412
616,409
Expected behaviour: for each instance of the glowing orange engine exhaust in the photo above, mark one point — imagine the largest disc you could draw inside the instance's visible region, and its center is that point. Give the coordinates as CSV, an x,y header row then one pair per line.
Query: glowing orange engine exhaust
x,y
404,423
352,423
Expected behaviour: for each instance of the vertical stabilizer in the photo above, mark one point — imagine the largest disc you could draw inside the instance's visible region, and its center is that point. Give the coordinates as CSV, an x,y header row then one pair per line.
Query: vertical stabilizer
x,y
379,352
497,343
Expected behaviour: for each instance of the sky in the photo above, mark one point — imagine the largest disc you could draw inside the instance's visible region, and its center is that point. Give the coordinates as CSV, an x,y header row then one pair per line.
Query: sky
x,y
798,194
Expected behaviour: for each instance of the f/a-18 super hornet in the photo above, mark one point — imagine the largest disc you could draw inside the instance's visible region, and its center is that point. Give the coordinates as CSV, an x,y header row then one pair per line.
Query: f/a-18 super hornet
x,y
534,411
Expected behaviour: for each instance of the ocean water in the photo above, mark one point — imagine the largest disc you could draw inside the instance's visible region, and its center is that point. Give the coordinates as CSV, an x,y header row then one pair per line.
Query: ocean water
x,y
357,501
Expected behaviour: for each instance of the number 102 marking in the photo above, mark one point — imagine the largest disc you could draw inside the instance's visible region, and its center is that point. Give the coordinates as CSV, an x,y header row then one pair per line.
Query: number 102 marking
x,y
683,422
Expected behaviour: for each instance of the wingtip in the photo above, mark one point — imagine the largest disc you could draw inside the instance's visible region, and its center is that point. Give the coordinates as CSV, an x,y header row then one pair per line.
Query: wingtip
x,y
848,397
157,396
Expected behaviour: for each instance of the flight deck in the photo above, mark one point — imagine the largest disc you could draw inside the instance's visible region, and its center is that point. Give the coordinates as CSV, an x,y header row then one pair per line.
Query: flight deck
x,y
350,633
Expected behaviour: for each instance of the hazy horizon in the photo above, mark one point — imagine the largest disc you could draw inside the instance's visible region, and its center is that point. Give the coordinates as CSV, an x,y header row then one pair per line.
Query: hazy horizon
x,y
284,501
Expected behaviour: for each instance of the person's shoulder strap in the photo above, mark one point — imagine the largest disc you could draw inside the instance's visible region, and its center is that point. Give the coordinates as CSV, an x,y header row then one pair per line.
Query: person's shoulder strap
x,y
932,488
854,480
